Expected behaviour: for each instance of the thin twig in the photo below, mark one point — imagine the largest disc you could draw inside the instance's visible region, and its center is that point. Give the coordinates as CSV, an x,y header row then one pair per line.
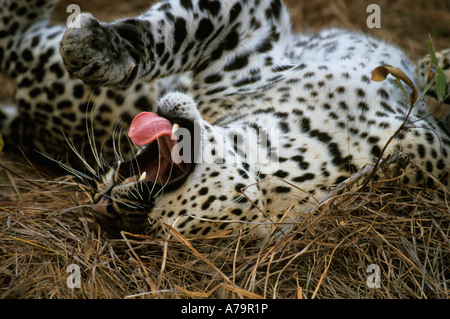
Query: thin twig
x,y
367,171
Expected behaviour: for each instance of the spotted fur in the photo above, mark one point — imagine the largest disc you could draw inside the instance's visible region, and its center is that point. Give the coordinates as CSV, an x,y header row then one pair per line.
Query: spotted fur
x,y
305,102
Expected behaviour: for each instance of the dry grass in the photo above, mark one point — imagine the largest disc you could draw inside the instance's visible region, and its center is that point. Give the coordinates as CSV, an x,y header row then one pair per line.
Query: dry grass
x,y
45,227
45,224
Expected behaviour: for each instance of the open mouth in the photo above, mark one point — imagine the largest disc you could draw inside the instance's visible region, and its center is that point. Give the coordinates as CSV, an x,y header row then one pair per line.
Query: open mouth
x,y
160,161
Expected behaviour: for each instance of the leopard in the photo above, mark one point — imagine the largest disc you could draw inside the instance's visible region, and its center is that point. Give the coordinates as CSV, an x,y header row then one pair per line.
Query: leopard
x,y
270,119
51,112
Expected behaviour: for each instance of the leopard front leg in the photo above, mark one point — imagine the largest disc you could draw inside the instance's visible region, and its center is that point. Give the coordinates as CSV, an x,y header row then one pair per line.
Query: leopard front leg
x,y
170,37
177,36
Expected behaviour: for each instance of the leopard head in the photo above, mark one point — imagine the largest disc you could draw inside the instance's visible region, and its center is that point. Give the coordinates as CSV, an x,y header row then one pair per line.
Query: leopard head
x,y
172,181
127,193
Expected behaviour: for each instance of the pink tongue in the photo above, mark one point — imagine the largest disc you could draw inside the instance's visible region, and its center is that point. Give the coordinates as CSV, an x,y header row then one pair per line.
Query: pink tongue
x,y
147,127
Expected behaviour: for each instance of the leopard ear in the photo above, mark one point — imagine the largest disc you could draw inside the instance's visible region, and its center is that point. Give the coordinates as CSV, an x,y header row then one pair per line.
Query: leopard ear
x,y
178,105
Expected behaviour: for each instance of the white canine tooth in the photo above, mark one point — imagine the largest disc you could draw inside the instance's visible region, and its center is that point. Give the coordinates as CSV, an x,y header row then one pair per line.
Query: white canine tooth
x,y
175,127
143,176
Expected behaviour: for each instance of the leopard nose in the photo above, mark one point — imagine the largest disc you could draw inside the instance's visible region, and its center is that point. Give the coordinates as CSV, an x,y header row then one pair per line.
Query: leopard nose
x,y
101,207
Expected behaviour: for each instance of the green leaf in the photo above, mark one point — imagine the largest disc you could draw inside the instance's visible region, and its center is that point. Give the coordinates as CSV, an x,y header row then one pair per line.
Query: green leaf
x,y
432,51
441,84
433,61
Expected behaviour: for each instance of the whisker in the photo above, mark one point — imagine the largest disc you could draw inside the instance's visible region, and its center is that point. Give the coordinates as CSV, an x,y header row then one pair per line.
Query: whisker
x,y
167,182
68,168
75,151
117,132
90,131
117,200
117,141
70,209
102,160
